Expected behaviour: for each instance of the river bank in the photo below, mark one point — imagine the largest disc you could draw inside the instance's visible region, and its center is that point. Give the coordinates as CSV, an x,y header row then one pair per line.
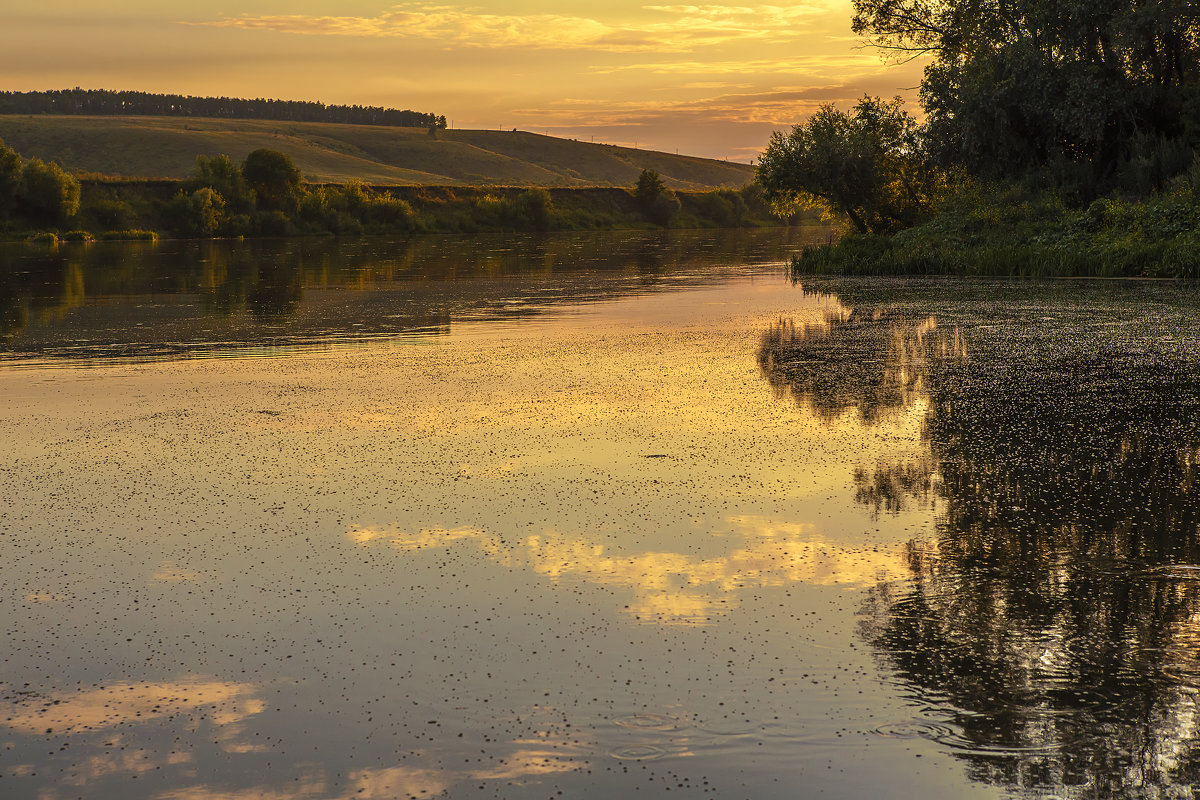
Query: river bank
x,y
1007,232
135,209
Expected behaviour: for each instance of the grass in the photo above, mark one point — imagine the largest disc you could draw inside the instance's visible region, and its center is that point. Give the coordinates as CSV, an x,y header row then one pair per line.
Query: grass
x,y
133,235
1005,232
166,147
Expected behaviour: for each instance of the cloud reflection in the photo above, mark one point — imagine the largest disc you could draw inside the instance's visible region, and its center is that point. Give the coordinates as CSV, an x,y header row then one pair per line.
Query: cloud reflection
x,y
669,586
225,704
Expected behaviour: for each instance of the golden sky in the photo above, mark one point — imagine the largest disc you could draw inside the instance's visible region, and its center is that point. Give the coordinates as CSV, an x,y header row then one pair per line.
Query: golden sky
x,y
710,80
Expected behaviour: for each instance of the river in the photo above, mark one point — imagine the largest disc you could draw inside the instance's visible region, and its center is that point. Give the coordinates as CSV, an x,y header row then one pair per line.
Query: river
x,y
590,515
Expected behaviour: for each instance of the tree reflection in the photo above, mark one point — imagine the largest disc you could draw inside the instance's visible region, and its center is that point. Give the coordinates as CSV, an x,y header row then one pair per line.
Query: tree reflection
x,y
1055,615
869,360
180,295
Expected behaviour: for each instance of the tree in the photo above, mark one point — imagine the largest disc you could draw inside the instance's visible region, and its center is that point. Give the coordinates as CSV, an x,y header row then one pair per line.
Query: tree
x,y
273,177
220,174
201,213
1019,84
47,194
649,186
657,201
867,165
10,178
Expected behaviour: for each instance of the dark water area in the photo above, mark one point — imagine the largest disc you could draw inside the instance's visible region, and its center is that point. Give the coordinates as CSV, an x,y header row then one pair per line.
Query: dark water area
x,y
203,297
1055,610
590,516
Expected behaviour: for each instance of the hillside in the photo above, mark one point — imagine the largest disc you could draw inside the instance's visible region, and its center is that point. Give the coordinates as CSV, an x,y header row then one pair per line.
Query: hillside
x,y
166,147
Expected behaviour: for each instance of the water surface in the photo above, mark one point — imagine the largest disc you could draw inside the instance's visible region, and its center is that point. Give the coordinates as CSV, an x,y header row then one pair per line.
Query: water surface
x,y
590,515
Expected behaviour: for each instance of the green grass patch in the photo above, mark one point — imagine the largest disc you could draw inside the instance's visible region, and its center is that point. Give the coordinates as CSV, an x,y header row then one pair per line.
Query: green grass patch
x,y
1003,232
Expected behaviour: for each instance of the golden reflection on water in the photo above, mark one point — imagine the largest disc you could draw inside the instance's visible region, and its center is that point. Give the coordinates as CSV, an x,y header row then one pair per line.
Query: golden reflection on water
x,y
223,703
671,586
629,447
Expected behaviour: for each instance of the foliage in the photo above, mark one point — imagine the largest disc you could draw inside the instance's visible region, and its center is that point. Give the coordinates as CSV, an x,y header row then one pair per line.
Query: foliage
x,y
532,209
274,179
1019,85
868,165
111,213
658,203
725,207
649,186
220,174
201,213
10,178
986,229
132,235
47,194
201,206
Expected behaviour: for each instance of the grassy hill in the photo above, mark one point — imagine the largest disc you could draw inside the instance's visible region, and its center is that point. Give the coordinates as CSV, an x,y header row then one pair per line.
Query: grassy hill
x,y
166,147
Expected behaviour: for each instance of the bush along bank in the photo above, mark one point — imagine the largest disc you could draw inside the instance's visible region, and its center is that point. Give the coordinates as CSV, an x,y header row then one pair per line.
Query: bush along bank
x,y
997,231
265,196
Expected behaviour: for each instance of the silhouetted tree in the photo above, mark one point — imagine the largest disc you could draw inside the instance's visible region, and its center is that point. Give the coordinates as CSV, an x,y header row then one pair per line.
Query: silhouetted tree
x,y
1018,85
273,177
867,165
105,102
657,201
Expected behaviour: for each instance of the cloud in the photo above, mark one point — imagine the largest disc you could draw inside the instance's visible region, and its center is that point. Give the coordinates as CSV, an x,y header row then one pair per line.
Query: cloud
x,y
672,28
834,63
775,106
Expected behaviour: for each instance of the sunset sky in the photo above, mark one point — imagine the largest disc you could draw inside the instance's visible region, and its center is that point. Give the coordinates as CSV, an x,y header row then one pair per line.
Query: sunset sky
x,y
711,80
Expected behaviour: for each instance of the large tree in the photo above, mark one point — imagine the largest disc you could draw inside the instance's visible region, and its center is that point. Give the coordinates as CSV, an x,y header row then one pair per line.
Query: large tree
x,y
866,164
274,179
1016,84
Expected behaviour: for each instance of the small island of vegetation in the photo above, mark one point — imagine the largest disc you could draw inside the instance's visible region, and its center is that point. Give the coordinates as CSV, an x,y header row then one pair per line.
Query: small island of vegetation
x,y
1058,139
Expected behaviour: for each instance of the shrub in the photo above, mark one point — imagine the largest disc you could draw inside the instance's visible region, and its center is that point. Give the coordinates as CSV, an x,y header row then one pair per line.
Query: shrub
x,y
201,213
10,178
47,193
532,209
110,213
133,235
221,175
274,223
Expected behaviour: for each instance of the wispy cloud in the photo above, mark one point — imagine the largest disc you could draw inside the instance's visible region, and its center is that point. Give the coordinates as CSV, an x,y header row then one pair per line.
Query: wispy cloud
x,y
775,106
671,28
834,63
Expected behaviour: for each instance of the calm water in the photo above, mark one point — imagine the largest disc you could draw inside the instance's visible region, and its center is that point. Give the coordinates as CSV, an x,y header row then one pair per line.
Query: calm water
x,y
590,516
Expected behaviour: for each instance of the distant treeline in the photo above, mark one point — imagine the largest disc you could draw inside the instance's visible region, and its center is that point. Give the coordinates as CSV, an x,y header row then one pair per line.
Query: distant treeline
x,y
103,102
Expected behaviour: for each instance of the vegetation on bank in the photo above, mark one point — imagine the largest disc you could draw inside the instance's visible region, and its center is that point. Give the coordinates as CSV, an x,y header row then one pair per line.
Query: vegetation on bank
x,y
1059,139
266,196
996,230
